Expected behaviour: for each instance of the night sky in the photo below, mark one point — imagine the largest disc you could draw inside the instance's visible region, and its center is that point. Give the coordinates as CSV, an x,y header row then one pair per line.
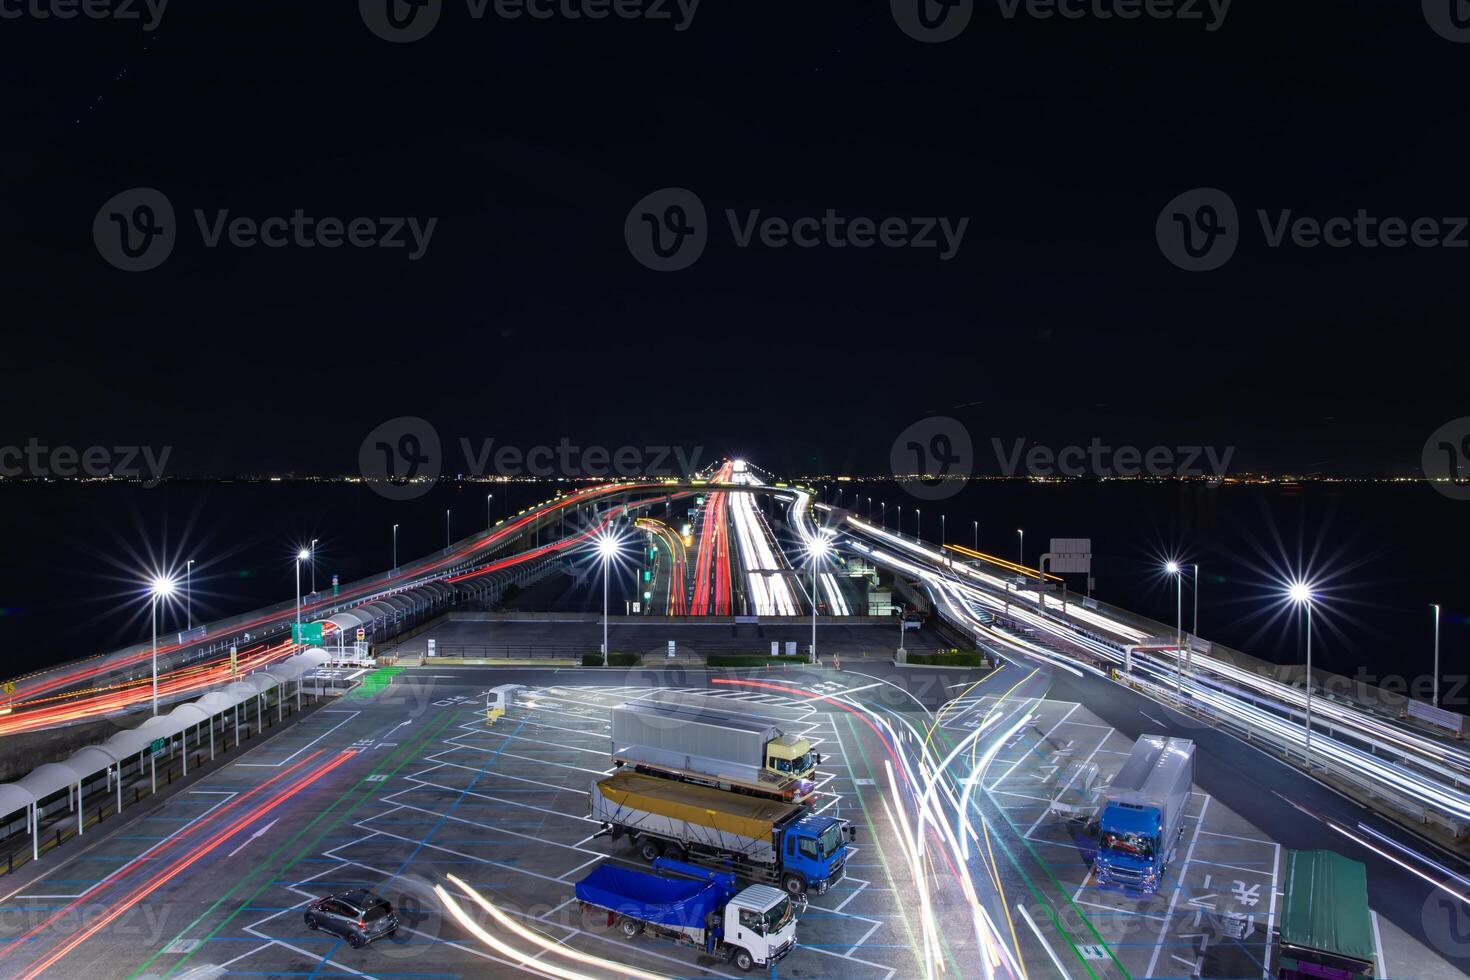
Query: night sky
x,y
527,319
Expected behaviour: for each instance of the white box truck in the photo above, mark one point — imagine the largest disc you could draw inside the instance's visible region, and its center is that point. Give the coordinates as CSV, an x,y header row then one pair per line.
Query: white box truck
x,y
743,754
1142,817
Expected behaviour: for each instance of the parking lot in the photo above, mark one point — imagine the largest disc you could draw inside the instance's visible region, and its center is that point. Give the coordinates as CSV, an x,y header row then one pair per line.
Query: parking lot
x,y
407,786
1215,912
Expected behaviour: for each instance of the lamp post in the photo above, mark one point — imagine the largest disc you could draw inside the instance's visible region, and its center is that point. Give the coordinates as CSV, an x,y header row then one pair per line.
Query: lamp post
x,y
1022,533
489,521
816,550
883,514
918,524
189,591
301,556
395,547
1301,594
870,508
446,531
607,547
161,588
977,534
900,520
1173,569
312,549
1196,599
1435,607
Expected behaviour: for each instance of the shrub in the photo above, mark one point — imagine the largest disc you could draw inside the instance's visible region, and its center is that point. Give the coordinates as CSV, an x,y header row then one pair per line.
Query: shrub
x,y
747,660
971,659
613,660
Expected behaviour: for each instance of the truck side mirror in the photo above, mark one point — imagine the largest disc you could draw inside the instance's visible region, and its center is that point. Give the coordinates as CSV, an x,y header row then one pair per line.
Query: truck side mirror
x,y
851,833
819,758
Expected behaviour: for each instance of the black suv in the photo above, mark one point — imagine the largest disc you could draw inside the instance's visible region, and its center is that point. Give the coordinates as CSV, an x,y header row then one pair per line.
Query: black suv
x,y
358,916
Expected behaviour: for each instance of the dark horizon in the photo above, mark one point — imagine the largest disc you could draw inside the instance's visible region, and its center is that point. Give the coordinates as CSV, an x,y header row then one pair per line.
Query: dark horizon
x,y
1043,158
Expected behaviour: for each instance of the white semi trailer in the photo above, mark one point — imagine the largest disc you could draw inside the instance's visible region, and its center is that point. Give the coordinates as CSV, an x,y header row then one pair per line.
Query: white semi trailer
x,y
744,754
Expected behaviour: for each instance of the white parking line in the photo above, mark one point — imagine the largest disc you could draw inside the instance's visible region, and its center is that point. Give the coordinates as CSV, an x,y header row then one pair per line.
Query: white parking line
x,y
277,765
1178,887
1030,748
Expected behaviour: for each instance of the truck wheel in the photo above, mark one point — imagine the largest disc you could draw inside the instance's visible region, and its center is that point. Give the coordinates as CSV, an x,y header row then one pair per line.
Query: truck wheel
x,y
743,960
675,854
794,884
630,928
650,850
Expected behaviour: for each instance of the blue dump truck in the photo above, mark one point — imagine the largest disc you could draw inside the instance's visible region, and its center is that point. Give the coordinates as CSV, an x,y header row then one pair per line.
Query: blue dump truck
x,y
692,906
1142,816
764,841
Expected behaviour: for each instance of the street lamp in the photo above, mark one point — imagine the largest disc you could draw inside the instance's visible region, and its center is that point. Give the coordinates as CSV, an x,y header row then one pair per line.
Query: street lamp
x,y
1173,569
395,547
1435,607
446,531
489,521
312,549
160,588
817,550
1301,593
189,591
1022,533
977,534
870,508
883,514
1196,599
900,520
918,524
301,556
608,547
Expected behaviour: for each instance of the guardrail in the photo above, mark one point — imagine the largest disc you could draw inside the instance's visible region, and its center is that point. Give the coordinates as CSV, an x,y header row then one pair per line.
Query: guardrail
x,y
1290,750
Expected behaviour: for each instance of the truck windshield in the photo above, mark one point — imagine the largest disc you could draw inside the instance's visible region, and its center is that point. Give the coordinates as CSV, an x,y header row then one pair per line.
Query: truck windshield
x,y
777,917
831,840
1134,845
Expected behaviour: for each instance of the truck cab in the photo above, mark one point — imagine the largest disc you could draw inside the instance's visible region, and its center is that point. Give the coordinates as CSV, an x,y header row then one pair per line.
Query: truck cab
x,y
1128,851
759,922
814,853
791,755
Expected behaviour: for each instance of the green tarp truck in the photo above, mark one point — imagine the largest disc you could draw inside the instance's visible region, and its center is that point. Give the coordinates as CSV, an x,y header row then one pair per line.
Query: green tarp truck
x,y
1326,930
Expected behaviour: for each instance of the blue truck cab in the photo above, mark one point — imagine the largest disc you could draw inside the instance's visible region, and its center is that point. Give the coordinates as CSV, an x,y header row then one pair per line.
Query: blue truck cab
x,y
1128,845
815,847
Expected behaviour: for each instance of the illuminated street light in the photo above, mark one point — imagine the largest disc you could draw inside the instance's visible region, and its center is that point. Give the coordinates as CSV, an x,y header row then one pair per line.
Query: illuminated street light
x,y
395,547
1300,593
1196,599
489,521
817,549
1173,569
301,556
1435,607
609,546
160,588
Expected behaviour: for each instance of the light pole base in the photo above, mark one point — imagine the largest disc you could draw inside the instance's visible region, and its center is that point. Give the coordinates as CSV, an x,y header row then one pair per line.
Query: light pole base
x,y
901,656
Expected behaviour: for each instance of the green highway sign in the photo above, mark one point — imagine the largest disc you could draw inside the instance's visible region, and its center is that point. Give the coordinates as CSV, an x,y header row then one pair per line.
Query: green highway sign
x,y
306,634
157,747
